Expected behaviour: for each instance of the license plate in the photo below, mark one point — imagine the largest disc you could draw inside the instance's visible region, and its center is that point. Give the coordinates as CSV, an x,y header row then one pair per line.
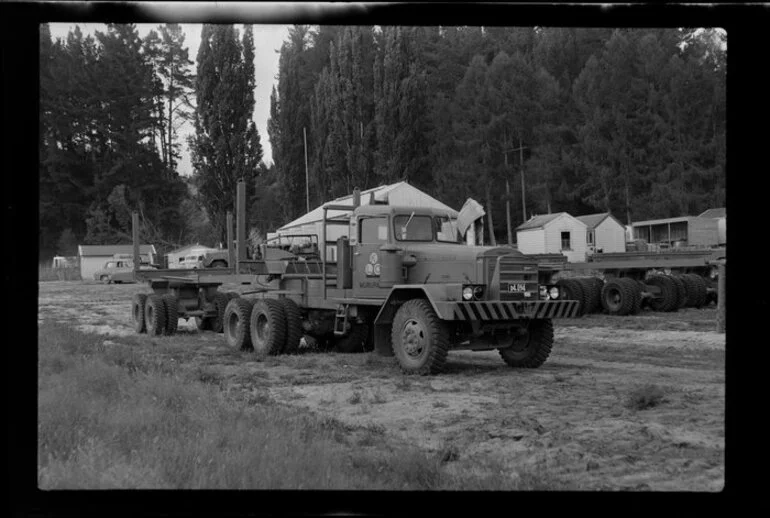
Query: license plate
x,y
517,288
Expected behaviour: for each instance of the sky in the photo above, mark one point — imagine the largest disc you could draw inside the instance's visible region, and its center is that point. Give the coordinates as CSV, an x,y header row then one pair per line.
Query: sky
x,y
267,41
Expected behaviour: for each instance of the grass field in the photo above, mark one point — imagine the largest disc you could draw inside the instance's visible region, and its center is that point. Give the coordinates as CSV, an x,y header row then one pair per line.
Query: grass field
x,y
110,417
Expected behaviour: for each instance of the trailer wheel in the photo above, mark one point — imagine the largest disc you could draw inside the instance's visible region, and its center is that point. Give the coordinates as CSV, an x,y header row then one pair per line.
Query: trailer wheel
x,y
668,298
617,297
236,324
681,291
172,314
355,341
420,339
220,304
530,346
591,295
293,325
155,315
137,312
267,327
573,291
696,290
636,291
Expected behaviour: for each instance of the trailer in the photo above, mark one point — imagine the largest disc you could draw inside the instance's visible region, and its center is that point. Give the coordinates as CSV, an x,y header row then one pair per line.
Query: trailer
x,y
402,285
622,283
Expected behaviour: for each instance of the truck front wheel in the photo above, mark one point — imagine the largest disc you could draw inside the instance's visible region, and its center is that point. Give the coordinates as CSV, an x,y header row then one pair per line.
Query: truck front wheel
x,y
420,338
530,346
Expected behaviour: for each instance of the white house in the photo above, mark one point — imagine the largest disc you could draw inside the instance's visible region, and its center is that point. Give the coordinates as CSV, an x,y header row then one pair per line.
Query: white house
x,y
557,233
93,257
400,194
721,216
604,233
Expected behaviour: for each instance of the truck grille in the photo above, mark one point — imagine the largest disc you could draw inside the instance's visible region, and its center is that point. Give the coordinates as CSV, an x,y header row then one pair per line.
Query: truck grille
x,y
518,281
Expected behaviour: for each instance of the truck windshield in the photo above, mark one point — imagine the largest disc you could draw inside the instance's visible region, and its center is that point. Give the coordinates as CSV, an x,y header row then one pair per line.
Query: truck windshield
x,y
446,229
420,228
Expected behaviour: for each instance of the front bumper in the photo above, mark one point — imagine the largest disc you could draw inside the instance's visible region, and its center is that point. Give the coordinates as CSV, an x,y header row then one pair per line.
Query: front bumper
x,y
505,310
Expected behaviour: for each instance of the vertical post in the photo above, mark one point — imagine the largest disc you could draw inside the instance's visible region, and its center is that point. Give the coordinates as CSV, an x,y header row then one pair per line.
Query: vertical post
x,y
523,197
669,233
240,230
230,242
135,236
721,324
357,197
323,254
307,177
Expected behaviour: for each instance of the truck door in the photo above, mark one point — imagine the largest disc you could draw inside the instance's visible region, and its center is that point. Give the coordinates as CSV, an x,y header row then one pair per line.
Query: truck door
x,y
372,233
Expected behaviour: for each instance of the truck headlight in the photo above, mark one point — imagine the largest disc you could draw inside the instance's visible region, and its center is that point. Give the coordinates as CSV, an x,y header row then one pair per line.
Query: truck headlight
x,y
553,293
467,293
478,292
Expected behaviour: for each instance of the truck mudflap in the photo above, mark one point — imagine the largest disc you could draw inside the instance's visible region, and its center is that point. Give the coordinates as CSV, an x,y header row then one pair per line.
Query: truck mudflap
x,y
499,310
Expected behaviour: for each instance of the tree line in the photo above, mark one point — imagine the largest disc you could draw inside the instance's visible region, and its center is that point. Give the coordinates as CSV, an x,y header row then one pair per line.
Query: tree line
x,y
567,119
626,120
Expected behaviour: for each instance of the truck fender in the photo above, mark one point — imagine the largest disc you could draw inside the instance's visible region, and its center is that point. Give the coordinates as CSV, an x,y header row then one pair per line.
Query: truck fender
x,y
397,296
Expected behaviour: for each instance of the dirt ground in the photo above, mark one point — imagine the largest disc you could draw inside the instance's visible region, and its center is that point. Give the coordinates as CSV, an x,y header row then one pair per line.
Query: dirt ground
x,y
569,420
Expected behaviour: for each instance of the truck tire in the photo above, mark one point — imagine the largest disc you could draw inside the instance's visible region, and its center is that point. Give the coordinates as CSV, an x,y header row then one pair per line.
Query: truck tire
x,y
220,304
137,312
573,291
155,315
354,341
668,299
237,324
203,323
681,291
231,295
293,325
617,297
531,348
172,314
591,295
636,291
267,326
105,279
420,339
696,290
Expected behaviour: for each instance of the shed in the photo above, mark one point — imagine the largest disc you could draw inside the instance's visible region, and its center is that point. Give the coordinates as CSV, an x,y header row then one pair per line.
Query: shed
x,y
174,257
558,233
400,194
93,257
720,215
604,233
683,231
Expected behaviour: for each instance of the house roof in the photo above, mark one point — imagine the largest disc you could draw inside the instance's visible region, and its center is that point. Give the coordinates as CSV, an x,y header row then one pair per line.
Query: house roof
x,y
593,220
540,221
714,213
110,250
400,193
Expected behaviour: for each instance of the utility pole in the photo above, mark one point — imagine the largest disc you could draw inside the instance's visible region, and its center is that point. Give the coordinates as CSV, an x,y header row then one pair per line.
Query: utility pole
x,y
307,182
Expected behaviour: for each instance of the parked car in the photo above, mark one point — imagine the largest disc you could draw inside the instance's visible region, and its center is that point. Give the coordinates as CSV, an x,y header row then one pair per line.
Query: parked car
x,y
119,271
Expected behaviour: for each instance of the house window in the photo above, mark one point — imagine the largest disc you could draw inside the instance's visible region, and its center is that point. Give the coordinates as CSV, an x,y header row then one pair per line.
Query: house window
x,y
565,241
589,237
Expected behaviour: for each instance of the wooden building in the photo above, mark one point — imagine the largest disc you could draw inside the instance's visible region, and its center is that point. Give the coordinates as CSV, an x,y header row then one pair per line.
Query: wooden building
x,y
558,233
604,233
684,231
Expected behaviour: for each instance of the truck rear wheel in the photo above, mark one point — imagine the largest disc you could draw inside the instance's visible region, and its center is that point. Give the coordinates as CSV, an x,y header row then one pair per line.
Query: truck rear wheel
x,y
636,292
591,295
668,299
293,325
137,312
172,314
155,315
681,291
220,304
420,339
696,290
237,324
268,327
530,346
617,297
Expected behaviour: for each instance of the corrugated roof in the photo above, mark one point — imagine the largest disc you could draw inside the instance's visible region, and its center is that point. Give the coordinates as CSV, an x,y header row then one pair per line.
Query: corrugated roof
x,y
539,221
663,221
109,250
714,213
381,194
